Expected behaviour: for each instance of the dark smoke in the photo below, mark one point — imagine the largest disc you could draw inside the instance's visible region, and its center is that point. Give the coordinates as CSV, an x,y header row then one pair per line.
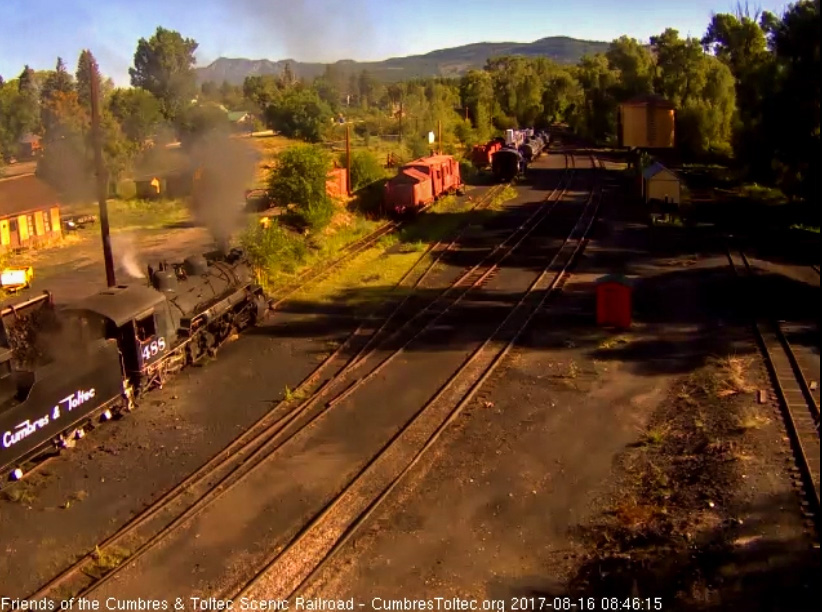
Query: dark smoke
x,y
310,30
224,168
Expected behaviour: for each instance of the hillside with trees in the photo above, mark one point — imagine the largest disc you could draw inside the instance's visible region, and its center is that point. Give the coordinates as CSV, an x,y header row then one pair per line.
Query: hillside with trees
x,y
748,91
452,62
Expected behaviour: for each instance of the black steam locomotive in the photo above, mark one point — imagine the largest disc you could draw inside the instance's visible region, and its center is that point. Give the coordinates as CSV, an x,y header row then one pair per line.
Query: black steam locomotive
x,y
61,369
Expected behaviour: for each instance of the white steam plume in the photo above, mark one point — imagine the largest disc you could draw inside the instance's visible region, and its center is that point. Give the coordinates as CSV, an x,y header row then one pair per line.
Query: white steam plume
x,y
124,248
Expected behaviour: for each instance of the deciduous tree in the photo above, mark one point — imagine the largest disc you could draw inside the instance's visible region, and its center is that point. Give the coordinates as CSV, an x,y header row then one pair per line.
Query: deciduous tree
x,y
635,65
300,113
138,113
164,65
300,178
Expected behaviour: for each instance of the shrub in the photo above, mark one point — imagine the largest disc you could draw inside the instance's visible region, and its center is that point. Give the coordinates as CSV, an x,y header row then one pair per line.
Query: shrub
x,y
300,113
365,169
126,189
419,147
273,250
467,170
300,179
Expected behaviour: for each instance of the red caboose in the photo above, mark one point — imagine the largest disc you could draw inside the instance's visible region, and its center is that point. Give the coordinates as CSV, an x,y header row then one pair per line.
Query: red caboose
x,y
421,181
409,190
481,154
443,170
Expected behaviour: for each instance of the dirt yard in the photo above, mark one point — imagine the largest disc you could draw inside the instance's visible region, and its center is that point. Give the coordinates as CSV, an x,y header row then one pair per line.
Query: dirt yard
x,y
635,464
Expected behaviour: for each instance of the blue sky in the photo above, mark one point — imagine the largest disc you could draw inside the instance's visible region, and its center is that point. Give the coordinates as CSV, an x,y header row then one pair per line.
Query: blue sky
x,y
37,31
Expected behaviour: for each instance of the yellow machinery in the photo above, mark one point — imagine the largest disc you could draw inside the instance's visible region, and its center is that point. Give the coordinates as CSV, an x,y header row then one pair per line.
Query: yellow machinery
x,y
14,280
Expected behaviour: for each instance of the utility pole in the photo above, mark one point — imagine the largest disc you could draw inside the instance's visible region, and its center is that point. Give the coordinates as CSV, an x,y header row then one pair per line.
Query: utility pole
x,y
400,119
102,179
348,158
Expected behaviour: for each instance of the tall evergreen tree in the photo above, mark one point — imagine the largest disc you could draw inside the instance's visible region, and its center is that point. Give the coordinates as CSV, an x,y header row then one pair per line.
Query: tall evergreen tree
x,y
86,67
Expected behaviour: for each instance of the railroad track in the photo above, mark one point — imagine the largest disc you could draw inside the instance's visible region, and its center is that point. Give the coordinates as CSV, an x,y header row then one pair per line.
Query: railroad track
x,y
185,500
350,251
353,249
326,533
798,403
267,442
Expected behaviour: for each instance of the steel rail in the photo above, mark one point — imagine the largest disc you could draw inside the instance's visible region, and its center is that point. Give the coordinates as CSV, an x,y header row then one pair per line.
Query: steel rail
x,y
245,447
496,356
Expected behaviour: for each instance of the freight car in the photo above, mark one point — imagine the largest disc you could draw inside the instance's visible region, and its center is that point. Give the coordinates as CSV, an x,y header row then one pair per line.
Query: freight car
x,y
61,369
531,150
420,182
506,164
517,138
481,154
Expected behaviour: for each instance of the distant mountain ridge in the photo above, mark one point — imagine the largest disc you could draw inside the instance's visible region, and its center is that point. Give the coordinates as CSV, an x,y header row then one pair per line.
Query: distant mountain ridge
x,y
451,62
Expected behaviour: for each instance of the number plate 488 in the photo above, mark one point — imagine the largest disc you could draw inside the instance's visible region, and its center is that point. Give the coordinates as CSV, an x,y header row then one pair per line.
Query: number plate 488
x,y
153,348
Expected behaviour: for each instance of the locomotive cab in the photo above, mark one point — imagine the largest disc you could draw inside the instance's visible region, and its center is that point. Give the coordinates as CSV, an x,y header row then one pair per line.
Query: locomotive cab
x,y
137,317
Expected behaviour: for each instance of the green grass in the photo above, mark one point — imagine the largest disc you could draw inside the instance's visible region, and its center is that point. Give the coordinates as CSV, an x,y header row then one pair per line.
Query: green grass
x,y
814,229
105,561
509,192
281,255
654,436
290,394
761,194
372,275
128,215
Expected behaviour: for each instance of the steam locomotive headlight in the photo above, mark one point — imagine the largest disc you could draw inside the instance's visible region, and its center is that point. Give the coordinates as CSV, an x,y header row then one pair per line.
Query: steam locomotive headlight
x,y
16,474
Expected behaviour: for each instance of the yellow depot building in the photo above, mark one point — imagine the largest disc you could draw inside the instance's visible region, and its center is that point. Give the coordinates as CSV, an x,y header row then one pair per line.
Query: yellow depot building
x,y
29,212
647,122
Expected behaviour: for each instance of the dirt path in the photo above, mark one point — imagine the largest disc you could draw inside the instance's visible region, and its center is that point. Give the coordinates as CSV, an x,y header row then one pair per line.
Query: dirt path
x,y
75,270
233,535
86,493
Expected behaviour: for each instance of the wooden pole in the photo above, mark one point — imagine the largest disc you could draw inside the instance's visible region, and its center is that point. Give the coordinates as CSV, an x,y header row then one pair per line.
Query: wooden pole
x,y
348,158
102,179
439,136
400,118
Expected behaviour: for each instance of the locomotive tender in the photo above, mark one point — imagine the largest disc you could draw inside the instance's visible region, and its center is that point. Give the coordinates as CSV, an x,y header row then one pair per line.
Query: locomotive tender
x,y
60,369
507,163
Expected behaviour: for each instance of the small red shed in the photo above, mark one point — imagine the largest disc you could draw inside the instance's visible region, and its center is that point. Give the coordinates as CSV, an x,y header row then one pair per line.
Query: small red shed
x,y
337,183
614,301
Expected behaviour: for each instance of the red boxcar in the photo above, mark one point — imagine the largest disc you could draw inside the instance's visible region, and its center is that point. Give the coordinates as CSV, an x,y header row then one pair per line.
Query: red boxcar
x,y
421,181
